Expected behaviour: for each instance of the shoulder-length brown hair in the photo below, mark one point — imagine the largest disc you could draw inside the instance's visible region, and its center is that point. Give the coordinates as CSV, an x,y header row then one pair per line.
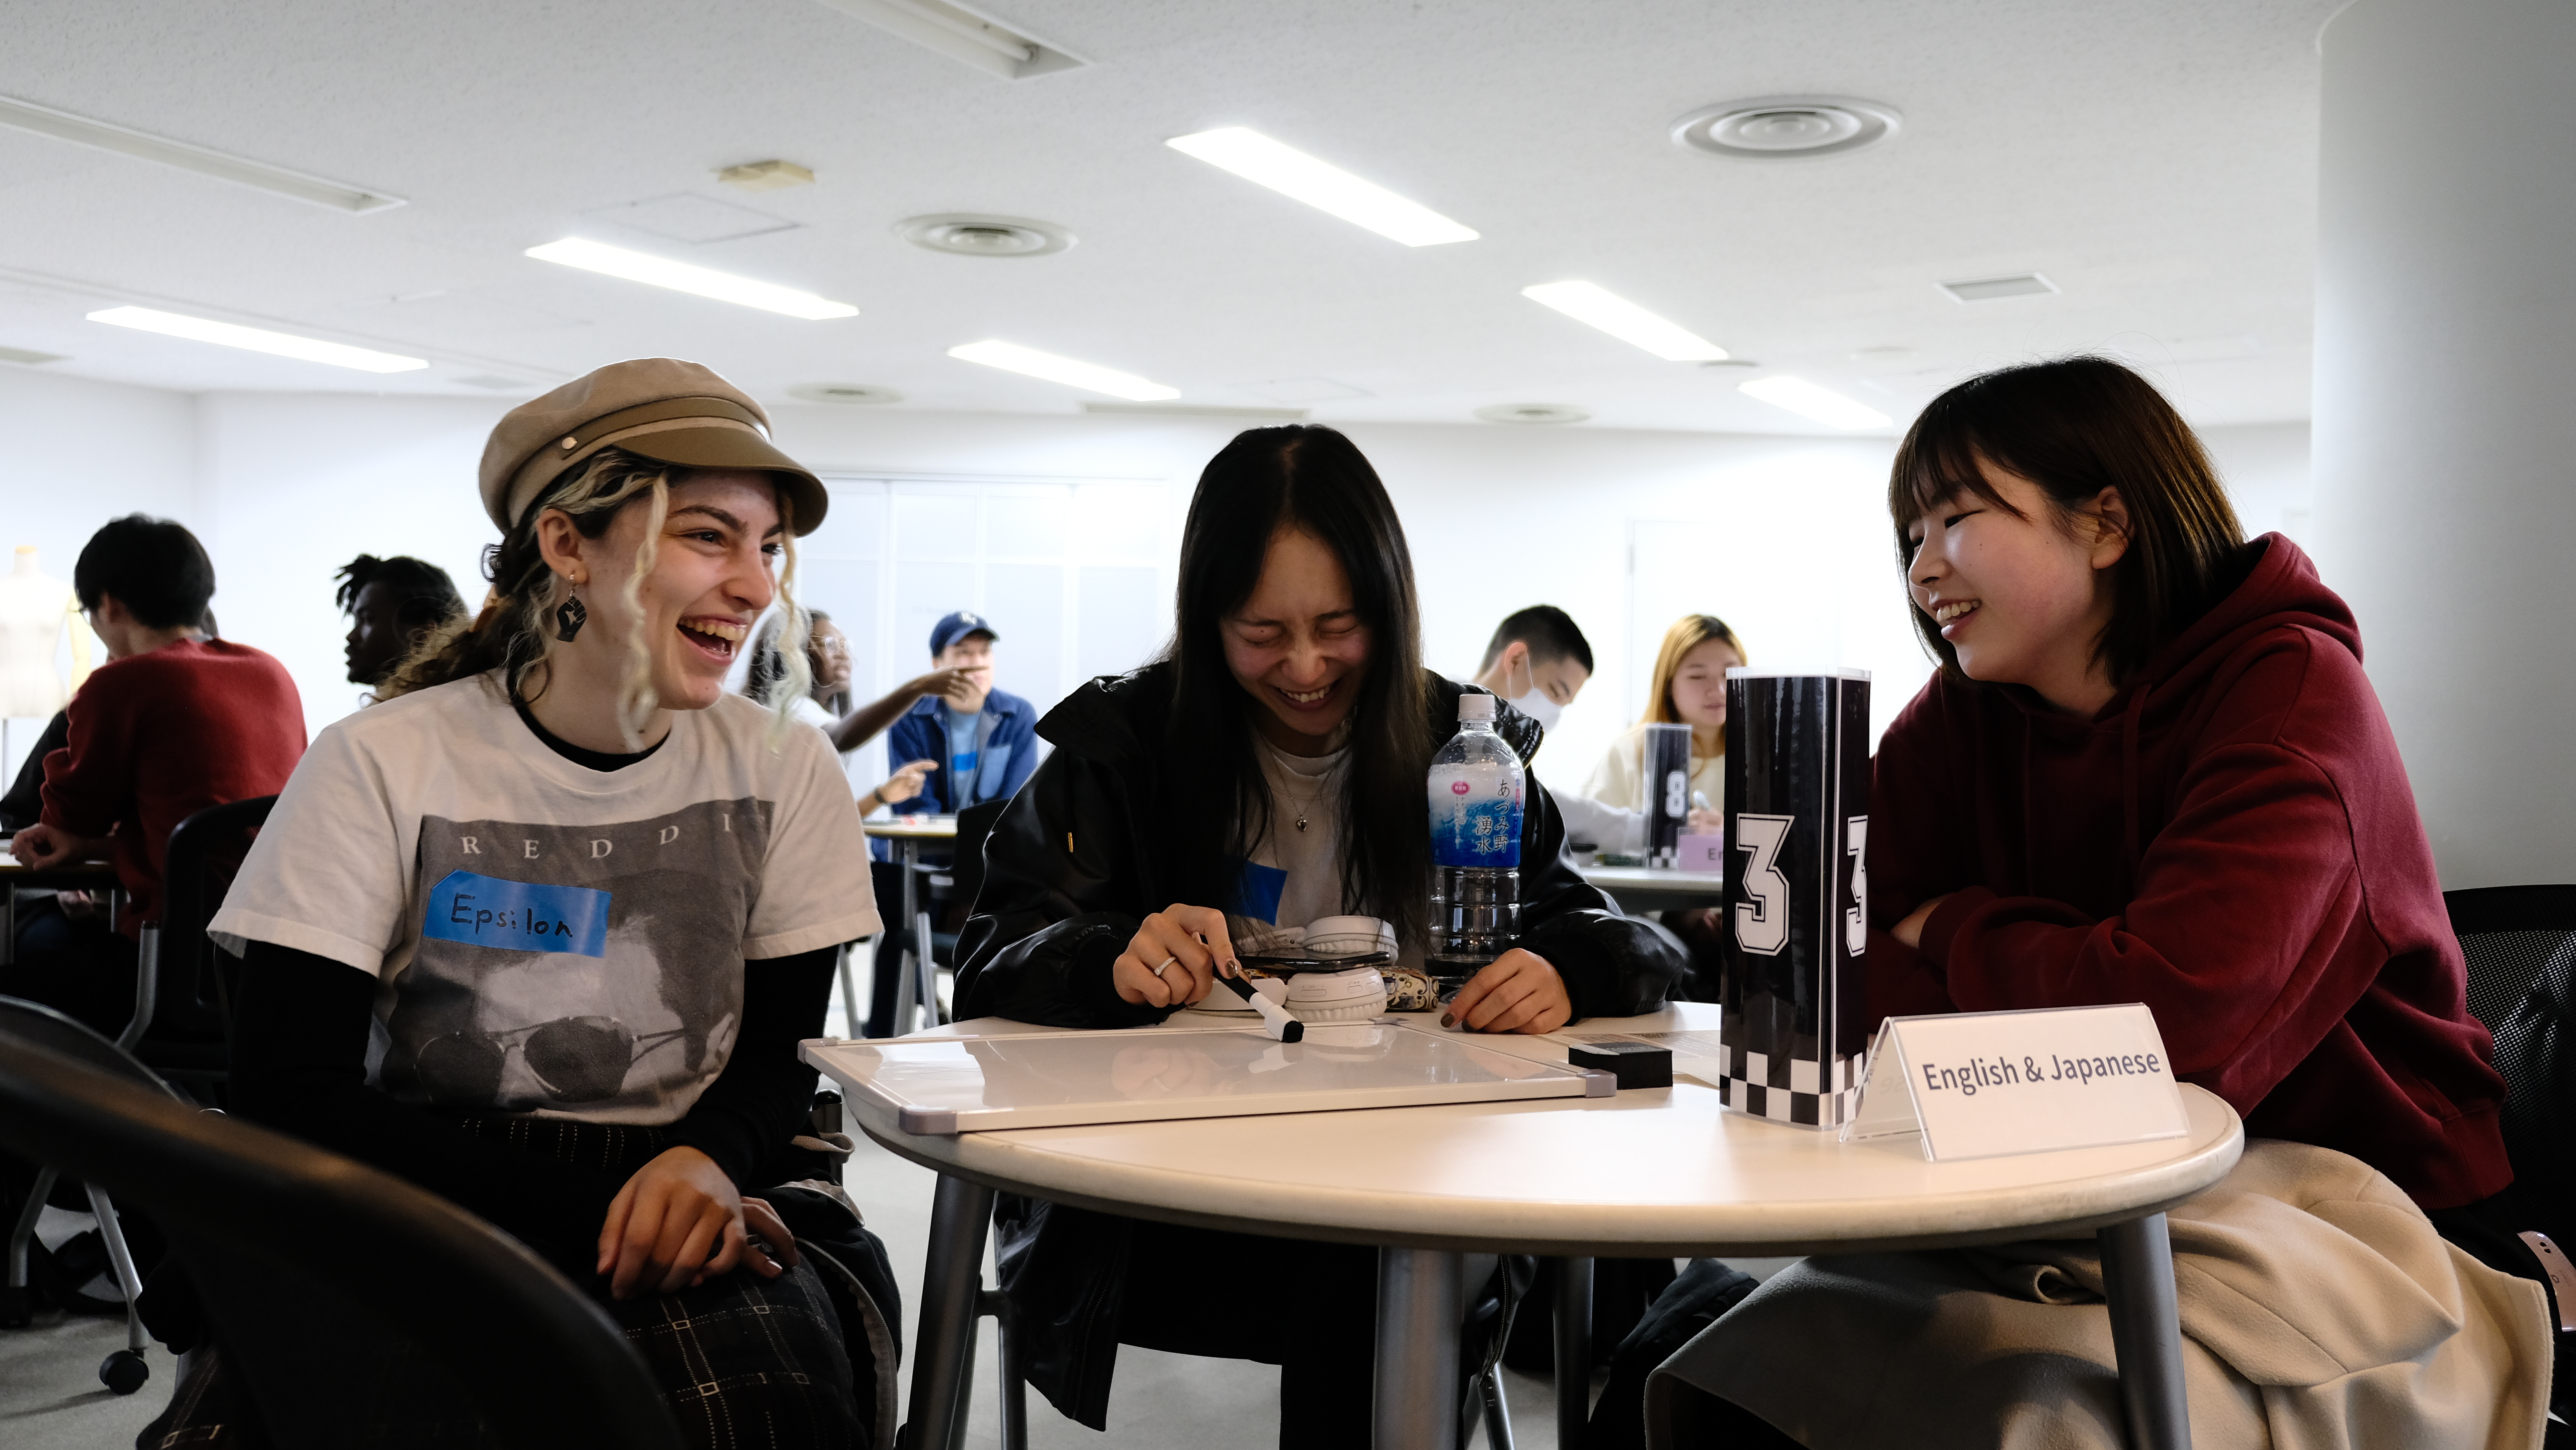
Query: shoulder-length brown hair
x,y
2076,427
1688,633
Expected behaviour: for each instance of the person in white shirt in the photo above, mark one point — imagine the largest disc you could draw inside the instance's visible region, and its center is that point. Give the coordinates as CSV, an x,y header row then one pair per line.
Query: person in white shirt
x,y
1688,688
825,703
541,930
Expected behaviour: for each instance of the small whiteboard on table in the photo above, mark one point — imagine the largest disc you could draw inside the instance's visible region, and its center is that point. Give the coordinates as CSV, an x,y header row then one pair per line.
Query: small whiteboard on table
x,y
1059,1079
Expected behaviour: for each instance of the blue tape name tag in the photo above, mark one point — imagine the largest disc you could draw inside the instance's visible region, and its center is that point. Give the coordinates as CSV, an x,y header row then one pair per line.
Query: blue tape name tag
x,y
1257,891
518,916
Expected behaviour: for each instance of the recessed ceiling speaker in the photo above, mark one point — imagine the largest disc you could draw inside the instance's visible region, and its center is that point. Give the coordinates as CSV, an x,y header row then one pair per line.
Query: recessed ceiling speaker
x,y
968,235
1533,413
1781,128
854,393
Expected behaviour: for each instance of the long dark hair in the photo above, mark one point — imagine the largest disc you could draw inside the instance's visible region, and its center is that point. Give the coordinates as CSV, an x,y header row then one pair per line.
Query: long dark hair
x,y
2076,427
1313,480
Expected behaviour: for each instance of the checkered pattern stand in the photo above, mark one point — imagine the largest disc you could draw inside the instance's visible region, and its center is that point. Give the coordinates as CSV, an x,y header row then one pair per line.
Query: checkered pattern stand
x,y
1797,895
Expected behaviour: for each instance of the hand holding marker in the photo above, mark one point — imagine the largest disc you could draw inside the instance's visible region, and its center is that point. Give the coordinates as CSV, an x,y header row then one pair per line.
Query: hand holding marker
x,y
1274,1017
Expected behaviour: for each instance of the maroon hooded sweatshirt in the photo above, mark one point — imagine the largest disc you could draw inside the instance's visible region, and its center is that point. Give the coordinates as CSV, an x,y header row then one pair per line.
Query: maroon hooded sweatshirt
x,y
2232,841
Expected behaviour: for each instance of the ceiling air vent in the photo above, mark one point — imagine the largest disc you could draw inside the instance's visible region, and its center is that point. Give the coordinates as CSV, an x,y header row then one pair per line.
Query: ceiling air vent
x,y
961,34
1995,289
969,235
1199,410
1533,413
854,394
1776,128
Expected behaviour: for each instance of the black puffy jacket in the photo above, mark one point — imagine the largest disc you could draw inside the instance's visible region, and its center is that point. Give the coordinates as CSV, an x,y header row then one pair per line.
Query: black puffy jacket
x,y
1072,869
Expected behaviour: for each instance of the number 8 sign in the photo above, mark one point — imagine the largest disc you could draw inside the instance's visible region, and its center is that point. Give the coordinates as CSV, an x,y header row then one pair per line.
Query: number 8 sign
x,y
1797,894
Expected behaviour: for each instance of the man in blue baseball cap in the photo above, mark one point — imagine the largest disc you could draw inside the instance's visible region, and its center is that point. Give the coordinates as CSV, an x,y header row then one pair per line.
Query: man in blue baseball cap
x,y
984,739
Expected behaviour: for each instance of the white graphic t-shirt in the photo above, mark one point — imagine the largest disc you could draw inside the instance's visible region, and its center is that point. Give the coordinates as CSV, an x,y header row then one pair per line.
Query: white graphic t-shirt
x,y
548,938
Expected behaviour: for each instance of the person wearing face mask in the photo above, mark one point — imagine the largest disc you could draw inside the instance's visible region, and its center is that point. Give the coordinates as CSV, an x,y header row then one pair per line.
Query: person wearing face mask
x,y
1268,770
1689,688
1538,661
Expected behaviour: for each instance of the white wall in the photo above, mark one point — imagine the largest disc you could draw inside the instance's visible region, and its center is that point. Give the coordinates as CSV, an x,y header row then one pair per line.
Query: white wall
x,y
2446,447
295,485
1783,537
74,454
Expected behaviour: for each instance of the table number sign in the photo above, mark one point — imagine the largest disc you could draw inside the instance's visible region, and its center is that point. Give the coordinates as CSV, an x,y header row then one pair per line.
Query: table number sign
x,y
1797,894
1988,1084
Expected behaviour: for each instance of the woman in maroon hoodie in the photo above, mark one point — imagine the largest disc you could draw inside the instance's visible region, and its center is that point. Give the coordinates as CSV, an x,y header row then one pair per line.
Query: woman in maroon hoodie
x,y
2151,769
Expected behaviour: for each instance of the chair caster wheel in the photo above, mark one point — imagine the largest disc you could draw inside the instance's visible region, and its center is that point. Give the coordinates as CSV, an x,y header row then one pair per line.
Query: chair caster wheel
x,y
124,1371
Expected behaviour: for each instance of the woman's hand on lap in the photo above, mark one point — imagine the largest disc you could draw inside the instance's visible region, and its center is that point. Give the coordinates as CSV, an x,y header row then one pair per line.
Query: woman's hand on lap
x,y
1518,992
776,1246
1188,942
676,1224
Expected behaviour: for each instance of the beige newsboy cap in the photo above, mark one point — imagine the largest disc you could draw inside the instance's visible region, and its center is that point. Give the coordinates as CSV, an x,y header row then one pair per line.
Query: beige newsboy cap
x,y
663,408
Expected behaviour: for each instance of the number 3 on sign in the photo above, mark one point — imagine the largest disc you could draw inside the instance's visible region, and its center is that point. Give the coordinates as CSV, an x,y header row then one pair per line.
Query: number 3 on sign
x,y
1856,915
1762,917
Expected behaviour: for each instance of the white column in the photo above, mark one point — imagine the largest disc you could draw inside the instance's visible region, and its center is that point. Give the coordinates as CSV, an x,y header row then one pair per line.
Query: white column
x,y
2445,422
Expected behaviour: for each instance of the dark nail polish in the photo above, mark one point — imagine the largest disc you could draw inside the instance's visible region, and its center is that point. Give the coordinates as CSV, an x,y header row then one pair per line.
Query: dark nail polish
x,y
1448,1021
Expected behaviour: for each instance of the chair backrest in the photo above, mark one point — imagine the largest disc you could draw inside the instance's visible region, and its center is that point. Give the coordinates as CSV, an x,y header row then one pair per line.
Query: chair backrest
x,y
974,824
195,995
330,1284
2520,945
38,1025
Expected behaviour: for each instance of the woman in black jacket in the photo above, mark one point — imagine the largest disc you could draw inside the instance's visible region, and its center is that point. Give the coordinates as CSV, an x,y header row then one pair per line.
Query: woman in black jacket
x,y
1270,767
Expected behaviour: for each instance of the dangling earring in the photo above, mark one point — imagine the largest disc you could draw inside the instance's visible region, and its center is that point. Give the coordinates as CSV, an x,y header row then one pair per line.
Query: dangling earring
x,y
570,616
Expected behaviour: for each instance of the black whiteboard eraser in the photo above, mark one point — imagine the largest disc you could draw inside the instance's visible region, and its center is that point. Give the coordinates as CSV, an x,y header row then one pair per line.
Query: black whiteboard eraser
x,y
1633,1064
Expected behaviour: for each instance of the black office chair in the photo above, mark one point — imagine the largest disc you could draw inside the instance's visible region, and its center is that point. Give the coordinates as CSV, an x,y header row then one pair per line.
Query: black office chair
x,y
944,887
124,1371
325,1279
2520,943
183,983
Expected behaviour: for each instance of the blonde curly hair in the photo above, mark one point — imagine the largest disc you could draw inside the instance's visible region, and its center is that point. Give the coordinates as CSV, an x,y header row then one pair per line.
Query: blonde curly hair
x,y
510,633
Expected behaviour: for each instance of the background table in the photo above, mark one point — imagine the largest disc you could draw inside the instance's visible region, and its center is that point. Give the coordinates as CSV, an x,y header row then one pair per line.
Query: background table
x,y
68,876
920,973
1645,1173
1641,888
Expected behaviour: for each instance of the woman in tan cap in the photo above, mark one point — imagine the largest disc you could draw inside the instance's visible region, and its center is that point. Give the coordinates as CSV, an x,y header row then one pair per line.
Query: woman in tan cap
x,y
540,931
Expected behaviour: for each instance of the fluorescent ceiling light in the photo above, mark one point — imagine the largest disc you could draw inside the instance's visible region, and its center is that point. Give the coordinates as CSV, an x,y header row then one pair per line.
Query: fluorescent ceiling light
x,y
962,34
682,277
1010,357
259,339
64,126
1809,401
1291,172
1626,321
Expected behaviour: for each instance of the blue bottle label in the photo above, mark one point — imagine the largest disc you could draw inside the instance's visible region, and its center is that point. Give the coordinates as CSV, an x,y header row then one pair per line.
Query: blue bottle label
x,y
1472,830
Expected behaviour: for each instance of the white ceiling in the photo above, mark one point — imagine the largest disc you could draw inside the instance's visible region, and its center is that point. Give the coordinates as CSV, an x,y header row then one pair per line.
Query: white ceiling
x,y
2156,158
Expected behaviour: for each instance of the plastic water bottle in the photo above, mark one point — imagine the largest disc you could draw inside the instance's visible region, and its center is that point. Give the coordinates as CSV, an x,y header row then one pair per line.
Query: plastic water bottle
x,y
1476,791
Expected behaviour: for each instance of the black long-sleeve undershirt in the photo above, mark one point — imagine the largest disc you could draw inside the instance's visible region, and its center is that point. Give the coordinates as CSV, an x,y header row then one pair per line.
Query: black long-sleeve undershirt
x,y
299,1065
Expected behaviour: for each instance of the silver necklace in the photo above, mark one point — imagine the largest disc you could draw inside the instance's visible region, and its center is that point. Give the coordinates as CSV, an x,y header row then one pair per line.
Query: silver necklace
x,y
1306,805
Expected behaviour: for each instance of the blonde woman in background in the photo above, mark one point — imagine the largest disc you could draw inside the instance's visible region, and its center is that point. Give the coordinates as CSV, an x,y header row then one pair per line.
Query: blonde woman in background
x,y
1689,689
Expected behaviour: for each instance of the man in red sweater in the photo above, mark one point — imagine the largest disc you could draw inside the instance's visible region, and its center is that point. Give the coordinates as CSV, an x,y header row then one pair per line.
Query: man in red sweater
x,y
174,722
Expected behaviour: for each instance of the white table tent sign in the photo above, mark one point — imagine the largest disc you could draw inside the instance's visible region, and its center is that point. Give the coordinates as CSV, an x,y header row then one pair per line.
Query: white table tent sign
x,y
1988,1084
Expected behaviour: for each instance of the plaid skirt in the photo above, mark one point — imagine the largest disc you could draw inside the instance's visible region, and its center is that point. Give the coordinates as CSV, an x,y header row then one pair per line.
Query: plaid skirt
x,y
742,1361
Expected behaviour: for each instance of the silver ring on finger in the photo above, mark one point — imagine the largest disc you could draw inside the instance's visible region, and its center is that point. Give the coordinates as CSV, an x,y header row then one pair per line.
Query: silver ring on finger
x,y
1166,963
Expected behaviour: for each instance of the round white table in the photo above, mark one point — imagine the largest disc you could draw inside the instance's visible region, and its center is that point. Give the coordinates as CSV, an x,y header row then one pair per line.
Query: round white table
x,y
1647,1172
920,973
